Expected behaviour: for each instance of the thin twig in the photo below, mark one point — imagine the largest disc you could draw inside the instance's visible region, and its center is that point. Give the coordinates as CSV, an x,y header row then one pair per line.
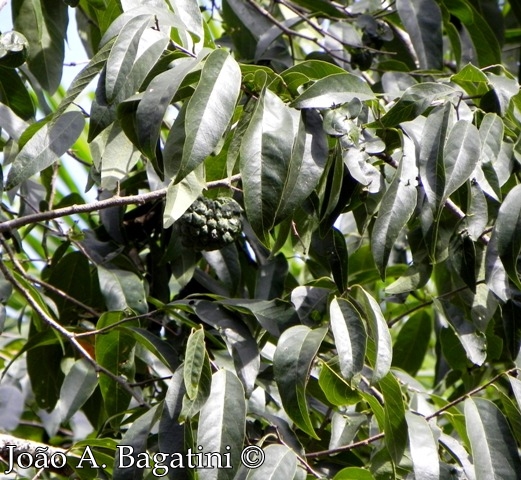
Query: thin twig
x,y
46,285
116,201
62,330
374,438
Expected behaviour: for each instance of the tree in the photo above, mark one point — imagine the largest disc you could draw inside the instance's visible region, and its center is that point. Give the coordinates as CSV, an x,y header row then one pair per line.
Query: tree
x,y
303,252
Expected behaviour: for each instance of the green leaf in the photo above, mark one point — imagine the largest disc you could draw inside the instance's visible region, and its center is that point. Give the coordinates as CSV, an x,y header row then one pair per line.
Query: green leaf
x,y
423,446
46,377
45,147
115,352
472,80
431,161
11,123
242,346
279,462
44,24
208,113
134,443
122,290
422,20
155,101
271,278
335,387
194,359
265,152
506,235
482,36
190,14
307,163
66,275
171,432
190,408
14,94
353,473
493,445
160,348
78,385
222,423
416,331
180,196
397,206
123,54
118,157
82,80
273,315
292,361
350,336
460,155
414,101
379,334
307,71
334,90
395,423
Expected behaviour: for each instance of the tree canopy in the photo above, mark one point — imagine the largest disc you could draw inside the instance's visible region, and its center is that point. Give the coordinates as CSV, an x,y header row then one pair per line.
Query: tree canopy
x,y
302,260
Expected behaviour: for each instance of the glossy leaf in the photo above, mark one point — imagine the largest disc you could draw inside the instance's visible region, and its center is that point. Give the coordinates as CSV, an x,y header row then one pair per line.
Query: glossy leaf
x,y
431,160
161,349
506,235
240,342
208,113
78,385
493,445
194,360
423,446
334,90
171,432
280,462
460,155
350,336
222,424
122,289
123,54
134,443
353,473
11,122
379,333
398,204
115,352
414,101
179,196
295,352
417,332
265,154
45,147
13,94
82,80
118,158
46,38
396,430
155,101
422,20
335,387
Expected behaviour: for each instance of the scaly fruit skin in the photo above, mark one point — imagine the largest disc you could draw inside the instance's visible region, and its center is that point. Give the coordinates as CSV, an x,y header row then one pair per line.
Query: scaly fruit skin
x,y
211,224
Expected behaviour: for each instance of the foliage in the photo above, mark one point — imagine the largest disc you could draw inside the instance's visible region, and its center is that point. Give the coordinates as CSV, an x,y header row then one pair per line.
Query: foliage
x,y
365,321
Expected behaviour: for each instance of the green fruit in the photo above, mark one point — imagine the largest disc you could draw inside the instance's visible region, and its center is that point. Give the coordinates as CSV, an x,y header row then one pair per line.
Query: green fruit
x,y
13,49
211,224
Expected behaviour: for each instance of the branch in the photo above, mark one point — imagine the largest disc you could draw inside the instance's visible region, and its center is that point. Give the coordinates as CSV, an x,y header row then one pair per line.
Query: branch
x,y
115,201
60,329
437,413
12,447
